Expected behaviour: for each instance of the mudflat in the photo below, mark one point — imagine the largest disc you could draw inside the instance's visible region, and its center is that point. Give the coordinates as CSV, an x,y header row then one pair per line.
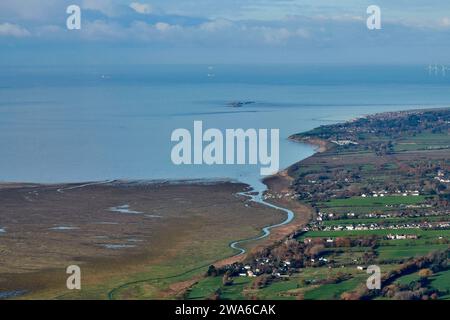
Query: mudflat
x,y
119,232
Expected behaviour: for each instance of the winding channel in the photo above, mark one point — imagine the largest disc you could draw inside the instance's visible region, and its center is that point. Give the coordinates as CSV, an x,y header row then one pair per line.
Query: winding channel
x,y
61,190
258,198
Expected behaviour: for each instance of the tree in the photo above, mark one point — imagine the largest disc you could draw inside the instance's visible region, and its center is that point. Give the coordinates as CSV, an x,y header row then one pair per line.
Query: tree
x,y
425,273
316,250
227,280
212,271
261,281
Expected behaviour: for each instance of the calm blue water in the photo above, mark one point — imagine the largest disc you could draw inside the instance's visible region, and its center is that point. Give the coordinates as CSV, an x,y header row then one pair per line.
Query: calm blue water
x,y
85,123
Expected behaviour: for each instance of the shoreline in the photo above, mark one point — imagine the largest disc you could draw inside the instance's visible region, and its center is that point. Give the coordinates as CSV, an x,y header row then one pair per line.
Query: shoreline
x,y
272,184
274,233
279,229
319,145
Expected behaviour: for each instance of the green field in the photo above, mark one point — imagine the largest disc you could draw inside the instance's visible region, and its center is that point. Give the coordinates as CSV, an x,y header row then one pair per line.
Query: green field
x,y
282,290
207,286
406,251
204,288
235,291
334,291
383,220
373,202
423,141
441,281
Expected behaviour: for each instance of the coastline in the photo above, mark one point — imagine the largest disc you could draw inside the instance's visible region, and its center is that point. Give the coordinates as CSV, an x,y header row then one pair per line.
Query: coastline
x,y
319,145
40,280
278,184
278,194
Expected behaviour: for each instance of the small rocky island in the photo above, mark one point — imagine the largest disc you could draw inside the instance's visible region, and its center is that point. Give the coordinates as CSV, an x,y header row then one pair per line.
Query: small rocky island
x,y
239,104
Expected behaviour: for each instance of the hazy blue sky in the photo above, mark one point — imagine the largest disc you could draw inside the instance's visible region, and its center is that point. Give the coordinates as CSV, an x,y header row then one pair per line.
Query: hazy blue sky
x,y
224,31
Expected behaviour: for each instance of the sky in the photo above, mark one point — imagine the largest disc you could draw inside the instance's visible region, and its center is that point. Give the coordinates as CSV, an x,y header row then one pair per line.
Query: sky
x,y
224,31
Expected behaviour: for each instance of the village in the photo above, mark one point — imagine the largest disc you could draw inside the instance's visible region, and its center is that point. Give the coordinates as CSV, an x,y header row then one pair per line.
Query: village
x,y
371,204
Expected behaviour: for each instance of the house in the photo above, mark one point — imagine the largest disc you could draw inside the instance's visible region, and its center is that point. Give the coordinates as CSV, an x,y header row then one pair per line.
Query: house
x,y
251,274
401,236
344,142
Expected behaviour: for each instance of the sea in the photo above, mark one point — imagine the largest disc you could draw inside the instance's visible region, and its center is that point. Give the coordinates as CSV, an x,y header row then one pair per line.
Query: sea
x,y
81,123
